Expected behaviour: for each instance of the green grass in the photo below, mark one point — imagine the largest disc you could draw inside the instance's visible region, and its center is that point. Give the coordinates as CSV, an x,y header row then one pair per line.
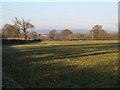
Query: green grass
x,y
66,64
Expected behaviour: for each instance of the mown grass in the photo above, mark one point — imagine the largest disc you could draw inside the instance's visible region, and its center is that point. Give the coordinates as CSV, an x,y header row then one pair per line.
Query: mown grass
x,y
65,64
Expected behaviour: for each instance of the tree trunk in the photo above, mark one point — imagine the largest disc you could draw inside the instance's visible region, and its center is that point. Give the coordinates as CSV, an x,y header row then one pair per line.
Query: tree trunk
x,y
25,35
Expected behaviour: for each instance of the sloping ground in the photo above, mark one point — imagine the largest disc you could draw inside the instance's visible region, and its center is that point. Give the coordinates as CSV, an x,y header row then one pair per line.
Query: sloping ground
x,y
8,82
66,64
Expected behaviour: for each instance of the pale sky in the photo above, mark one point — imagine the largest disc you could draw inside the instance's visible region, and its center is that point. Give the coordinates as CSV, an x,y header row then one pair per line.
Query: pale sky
x,y
59,15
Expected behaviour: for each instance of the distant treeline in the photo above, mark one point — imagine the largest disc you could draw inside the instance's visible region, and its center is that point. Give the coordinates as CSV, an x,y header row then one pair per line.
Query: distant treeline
x,y
96,33
81,36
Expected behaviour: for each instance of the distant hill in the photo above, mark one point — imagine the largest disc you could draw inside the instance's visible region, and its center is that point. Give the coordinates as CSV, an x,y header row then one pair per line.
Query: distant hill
x,y
85,31
73,30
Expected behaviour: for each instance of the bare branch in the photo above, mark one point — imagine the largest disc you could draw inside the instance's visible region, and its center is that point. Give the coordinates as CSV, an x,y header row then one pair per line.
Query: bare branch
x,y
23,24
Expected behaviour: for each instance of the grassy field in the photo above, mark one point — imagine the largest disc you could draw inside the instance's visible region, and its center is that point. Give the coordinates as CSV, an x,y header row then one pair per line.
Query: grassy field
x,y
65,64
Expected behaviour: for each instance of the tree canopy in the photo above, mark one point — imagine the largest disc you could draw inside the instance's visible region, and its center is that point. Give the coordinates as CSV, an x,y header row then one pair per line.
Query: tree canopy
x,y
98,33
10,31
65,33
23,25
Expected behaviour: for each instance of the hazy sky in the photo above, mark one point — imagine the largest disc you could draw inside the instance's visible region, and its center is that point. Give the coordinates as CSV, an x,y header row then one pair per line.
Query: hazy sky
x,y
59,15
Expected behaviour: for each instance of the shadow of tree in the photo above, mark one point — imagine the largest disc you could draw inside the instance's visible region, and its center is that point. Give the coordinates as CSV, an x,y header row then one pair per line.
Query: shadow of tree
x,y
69,51
57,75
83,78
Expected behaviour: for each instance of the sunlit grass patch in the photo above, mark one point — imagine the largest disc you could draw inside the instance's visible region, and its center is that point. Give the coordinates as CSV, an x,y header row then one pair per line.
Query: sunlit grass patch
x,y
63,64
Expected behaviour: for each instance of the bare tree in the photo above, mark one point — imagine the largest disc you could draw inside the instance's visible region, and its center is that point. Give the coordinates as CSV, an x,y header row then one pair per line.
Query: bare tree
x,y
65,33
98,33
23,25
33,35
52,34
10,31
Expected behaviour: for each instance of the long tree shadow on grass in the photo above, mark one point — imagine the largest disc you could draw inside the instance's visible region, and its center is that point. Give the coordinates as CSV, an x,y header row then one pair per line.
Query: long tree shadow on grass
x,y
68,51
57,74
70,77
58,48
